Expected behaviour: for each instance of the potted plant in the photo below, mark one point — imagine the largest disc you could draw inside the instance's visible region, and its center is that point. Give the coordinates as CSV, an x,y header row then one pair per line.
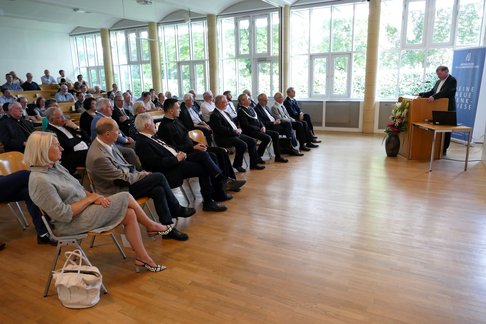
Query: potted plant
x,y
396,125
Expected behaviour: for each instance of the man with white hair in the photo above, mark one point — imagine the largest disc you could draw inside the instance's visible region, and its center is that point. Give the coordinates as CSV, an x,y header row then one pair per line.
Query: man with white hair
x,y
29,84
207,106
47,78
63,95
191,119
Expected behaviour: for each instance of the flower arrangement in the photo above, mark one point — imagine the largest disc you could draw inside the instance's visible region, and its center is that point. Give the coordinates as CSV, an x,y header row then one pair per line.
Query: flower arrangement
x,y
398,118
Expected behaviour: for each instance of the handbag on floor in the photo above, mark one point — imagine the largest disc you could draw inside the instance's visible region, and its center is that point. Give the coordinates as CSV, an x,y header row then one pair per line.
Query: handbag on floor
x,y
78,285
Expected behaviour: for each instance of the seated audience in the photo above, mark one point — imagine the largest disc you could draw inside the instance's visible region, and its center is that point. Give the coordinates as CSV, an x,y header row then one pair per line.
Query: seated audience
x,y
175,134
191,119
147,101
207,106
111,173
252,102
15,78
73,139
72,210
79,78
89,106
253,127
196,104
227,134
63,95
160,101
61,76
139,108
39,108
47,78
7,97
230,109
158,156
30,85
10,85
302,130
127,102
168,95
98,90
296,112
14,130
123,117
35,118
78,105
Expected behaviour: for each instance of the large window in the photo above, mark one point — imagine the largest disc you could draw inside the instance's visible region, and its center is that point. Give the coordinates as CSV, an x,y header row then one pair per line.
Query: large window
x,y
412,48
88,59
248,52
130,51
183,52
328,50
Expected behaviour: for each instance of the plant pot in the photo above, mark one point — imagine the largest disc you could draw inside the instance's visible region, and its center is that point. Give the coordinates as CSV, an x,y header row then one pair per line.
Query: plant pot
x,y
392,145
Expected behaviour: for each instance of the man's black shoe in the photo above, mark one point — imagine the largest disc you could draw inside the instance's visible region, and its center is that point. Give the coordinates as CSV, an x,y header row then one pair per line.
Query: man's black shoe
x,y
316,141
260,161
2,246
232,184
184,212
240,169
223,197
304,148
312,145
46,240
214,206
294,152
281,159
175,234
257,167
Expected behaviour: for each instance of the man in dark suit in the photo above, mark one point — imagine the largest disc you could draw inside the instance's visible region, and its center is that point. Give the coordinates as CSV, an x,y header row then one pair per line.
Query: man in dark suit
x,y
14,130
296,112
111,174
72,138
158,156
123,117
175,134
283,127
253,127
192,119
445,87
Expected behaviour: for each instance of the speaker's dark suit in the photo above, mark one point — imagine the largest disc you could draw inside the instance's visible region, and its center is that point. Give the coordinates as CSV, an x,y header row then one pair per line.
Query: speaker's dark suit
x,y
448,90
226,136
71,158
14,133
155,157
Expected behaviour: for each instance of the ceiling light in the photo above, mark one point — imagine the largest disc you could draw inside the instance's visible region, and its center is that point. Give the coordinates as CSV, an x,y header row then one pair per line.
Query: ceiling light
x,y
79,10
144,2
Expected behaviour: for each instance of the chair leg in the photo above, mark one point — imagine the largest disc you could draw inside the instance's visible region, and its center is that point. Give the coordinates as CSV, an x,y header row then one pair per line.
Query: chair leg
x,y
53,267
92,241
89,263
150,212
185,195
26,222
17,217
190,188
118,246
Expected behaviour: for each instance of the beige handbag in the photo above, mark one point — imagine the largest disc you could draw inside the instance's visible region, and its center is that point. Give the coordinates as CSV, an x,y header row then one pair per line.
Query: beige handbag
x,y
78,285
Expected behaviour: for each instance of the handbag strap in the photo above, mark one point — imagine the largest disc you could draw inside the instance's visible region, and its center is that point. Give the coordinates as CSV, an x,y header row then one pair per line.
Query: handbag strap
x,y
70,255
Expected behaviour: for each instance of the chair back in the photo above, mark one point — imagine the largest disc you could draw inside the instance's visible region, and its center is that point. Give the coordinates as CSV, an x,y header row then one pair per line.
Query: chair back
x,y
90,180
198,136
11,162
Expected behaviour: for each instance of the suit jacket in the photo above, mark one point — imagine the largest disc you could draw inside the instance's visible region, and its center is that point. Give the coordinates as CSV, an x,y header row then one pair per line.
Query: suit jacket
x,y
263,116
292,108
13,133
250,126
110,176
173,132
127,126
279,112
220,126
157,158
67,143
185,117
448,90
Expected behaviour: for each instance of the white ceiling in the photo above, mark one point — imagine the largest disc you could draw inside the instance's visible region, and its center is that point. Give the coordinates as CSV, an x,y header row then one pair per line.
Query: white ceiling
x,y
61,14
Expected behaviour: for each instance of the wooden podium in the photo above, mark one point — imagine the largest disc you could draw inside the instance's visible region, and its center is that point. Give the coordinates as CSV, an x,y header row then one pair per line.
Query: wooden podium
x,y
418,111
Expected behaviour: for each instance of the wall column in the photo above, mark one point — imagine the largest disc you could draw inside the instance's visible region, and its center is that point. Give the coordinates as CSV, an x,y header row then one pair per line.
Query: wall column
x,y
107,61
285,49
153,35
371,66
213,54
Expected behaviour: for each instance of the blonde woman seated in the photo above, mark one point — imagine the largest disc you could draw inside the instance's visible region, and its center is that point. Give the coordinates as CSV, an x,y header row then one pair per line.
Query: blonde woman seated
x,y
73,210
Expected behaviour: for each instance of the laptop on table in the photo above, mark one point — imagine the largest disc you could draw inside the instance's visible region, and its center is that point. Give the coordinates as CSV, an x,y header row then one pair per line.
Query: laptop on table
x,y
447,118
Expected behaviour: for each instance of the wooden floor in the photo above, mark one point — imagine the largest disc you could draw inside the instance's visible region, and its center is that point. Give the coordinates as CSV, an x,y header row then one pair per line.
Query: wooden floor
x,y
341,235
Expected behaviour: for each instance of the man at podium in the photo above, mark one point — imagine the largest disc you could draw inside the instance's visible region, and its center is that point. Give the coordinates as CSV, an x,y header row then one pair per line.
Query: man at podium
x,y
445,87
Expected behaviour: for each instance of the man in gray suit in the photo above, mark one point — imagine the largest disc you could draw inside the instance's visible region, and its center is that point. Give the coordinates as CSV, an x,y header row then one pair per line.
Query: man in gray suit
x,y
111,173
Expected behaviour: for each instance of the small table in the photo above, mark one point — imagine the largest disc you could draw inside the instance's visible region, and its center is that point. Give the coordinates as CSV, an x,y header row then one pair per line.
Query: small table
x,y
444,129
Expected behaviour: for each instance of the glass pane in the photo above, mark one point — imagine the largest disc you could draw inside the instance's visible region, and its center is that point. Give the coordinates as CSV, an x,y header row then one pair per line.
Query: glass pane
x,y
126,84
90,49
261,35
275,34
244,75
101,73
145,44
114,48
172,78
342,28
99,50
320,24
93,77
264,78
340,77
359,71
228,38
81,51
84,72
170,41
390,24
468,30
244,30
443,21
132,46
136,80
116,77
147,77
200,76
411,71
185,78
360,27
299,31
229,75
198,44
161,44
183,42
300,76
415,23
387,80
319,76
434,58
275,79
122,48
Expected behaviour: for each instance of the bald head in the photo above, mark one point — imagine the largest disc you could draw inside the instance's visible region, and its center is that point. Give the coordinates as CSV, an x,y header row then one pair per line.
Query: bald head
x,y
107,130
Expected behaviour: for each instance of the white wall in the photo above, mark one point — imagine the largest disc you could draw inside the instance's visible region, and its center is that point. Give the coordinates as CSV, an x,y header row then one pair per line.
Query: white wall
x,y
31,46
